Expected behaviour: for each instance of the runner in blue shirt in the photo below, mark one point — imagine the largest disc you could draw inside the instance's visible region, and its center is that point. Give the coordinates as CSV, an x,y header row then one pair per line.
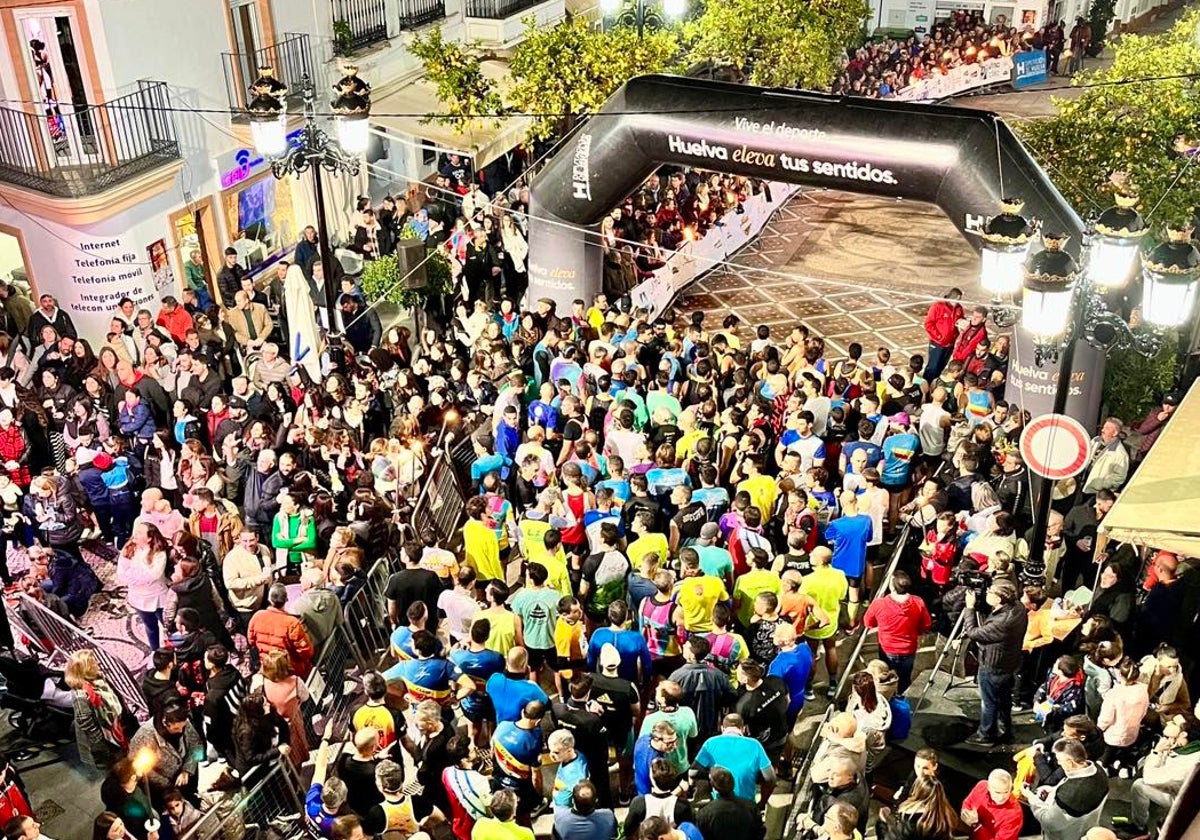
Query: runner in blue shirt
x,y
477,664
572,766
517,752
743,756
899,449
427,677
630,644
848,536
793,664
511,690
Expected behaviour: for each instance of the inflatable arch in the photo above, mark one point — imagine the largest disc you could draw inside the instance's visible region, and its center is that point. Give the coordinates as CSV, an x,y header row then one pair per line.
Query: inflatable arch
x,y
962,160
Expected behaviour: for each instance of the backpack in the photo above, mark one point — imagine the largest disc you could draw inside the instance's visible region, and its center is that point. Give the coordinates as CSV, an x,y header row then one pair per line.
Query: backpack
x,y
901,719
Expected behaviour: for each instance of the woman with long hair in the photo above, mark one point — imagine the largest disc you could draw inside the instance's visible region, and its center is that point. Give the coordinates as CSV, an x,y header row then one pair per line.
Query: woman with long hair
x,y
192,588
99,732
142,566
286,693
83,417
81,364
1115,597
56,397
925,815
873,714
259,737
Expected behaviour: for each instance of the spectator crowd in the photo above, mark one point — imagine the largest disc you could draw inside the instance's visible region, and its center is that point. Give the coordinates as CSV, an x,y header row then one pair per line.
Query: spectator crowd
x,y
670,524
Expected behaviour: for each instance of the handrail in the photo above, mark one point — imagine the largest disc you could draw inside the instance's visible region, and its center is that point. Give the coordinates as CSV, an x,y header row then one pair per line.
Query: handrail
x,y
801,799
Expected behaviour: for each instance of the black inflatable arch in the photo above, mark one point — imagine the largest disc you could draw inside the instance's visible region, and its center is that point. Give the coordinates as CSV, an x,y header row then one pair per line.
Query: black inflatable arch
x,y
955,158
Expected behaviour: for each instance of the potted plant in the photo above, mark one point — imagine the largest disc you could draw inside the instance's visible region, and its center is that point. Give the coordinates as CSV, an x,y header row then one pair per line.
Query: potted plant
x,y
343,36
382,279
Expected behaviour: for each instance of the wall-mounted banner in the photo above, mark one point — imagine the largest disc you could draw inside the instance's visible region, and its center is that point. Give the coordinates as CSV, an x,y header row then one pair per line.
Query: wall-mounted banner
x,y
1030,68
958,80
1031,387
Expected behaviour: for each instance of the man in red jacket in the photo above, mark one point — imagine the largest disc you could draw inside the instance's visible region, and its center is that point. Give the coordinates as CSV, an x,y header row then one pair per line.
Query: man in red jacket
x,y
990,809
901,618
941,325
972,335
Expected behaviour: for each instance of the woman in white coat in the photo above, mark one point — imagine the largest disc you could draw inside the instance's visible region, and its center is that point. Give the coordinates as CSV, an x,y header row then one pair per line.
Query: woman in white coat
x,y
303,338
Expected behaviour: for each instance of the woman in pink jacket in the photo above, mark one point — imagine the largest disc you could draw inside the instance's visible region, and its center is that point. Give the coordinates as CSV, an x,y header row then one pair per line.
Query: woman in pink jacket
x,y
1121,713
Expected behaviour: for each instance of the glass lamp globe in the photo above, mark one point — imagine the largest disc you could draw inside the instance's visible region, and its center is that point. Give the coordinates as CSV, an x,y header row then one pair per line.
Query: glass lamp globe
x,y
1005,246
268,125
1049,286
352,110
674,8
1169,274
1119,233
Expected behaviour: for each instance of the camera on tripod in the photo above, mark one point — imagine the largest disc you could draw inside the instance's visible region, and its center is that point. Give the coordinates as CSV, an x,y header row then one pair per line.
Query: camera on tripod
x,y
973,579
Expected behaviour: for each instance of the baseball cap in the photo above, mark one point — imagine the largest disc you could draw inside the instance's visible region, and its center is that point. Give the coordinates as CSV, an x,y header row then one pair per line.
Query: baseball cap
x,y
609,658
1172,398
900,419
236,402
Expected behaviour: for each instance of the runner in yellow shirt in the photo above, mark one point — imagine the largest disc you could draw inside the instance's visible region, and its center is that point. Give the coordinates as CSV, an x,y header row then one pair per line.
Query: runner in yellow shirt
x,y
761,488
696,594
480,546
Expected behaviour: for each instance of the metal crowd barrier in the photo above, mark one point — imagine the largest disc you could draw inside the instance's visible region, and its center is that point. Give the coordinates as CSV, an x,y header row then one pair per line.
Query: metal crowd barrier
x,y
273,807
329,697
51,637
442,502
802,797
367,628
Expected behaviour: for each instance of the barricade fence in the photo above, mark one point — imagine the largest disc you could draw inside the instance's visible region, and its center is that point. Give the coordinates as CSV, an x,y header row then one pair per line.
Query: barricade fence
x,y
330,698
442,502
52,638
272,807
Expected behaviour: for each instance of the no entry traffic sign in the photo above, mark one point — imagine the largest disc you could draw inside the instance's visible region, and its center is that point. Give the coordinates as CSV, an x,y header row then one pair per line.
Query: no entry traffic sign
x,y
1055,446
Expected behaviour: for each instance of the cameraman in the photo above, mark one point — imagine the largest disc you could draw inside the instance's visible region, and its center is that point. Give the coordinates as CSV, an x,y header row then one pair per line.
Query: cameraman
x,y
966,578
999,638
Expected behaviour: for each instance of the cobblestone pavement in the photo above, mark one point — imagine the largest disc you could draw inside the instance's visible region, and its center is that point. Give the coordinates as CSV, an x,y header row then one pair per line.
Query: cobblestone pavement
x,y
827,259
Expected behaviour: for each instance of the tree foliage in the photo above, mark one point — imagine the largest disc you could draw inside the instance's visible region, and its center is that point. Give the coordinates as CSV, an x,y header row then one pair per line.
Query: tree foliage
x,y
1100,16
456,70
1128,127
1134,384
784,43
571,68
382,279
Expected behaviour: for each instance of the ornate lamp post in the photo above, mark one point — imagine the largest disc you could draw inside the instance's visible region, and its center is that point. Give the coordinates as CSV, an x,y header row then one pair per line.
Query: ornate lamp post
x,y
1063,302
640,14
314,150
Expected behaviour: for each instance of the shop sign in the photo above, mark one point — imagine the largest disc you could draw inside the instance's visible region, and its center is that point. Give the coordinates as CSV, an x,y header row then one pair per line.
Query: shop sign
x,y
242,164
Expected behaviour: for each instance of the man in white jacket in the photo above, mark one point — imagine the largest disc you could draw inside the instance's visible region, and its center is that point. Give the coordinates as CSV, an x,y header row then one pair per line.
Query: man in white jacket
x,y
1110,459
1164,773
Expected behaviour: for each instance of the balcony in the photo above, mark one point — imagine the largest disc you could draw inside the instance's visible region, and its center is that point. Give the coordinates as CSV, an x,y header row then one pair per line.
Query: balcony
x,y
80,151
498,9
358,24
415,13
290,58
500,24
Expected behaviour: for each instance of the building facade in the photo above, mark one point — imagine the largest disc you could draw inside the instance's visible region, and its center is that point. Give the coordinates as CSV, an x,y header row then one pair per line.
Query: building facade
x,y
123,149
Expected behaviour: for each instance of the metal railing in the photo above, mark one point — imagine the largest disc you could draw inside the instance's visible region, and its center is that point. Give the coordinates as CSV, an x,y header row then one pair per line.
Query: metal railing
x,y
78,150
358,24
273,807
290,59
443,501
330,698
53,639
499,9
414,13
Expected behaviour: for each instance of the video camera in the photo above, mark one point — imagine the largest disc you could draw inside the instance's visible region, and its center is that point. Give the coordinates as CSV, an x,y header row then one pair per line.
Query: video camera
x,y
974,580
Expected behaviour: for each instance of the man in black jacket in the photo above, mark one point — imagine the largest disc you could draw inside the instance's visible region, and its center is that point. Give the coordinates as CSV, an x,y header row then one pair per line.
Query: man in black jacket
x,y
229,279
728,815
224,691
49,315
999,639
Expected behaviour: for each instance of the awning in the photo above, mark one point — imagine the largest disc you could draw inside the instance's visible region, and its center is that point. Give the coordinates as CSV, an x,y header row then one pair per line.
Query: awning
x,y
420,97
1160,506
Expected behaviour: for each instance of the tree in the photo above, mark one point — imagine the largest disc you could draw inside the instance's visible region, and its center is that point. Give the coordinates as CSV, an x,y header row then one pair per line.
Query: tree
x,y
469,97
1120,126
1100,16
570,69
784,43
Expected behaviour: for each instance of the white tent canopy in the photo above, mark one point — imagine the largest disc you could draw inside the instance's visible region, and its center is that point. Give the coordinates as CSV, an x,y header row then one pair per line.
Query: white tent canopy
x,y
1160,506
484,144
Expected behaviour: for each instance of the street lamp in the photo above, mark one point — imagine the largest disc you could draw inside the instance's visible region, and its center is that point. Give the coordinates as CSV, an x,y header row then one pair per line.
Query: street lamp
x,y
640,14
1063,303
314,149
143,763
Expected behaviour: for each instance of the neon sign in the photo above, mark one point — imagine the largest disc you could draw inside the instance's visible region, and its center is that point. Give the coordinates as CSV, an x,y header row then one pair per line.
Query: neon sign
x,y
242,164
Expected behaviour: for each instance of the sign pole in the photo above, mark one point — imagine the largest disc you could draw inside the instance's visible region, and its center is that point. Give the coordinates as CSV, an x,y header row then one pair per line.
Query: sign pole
x,y
1045,486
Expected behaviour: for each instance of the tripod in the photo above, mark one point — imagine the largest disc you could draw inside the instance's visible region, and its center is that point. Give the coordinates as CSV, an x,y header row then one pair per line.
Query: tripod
x,y
953,643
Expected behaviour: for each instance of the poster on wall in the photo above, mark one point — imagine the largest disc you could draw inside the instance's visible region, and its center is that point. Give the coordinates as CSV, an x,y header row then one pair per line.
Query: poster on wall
x,y
160,267
95,274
